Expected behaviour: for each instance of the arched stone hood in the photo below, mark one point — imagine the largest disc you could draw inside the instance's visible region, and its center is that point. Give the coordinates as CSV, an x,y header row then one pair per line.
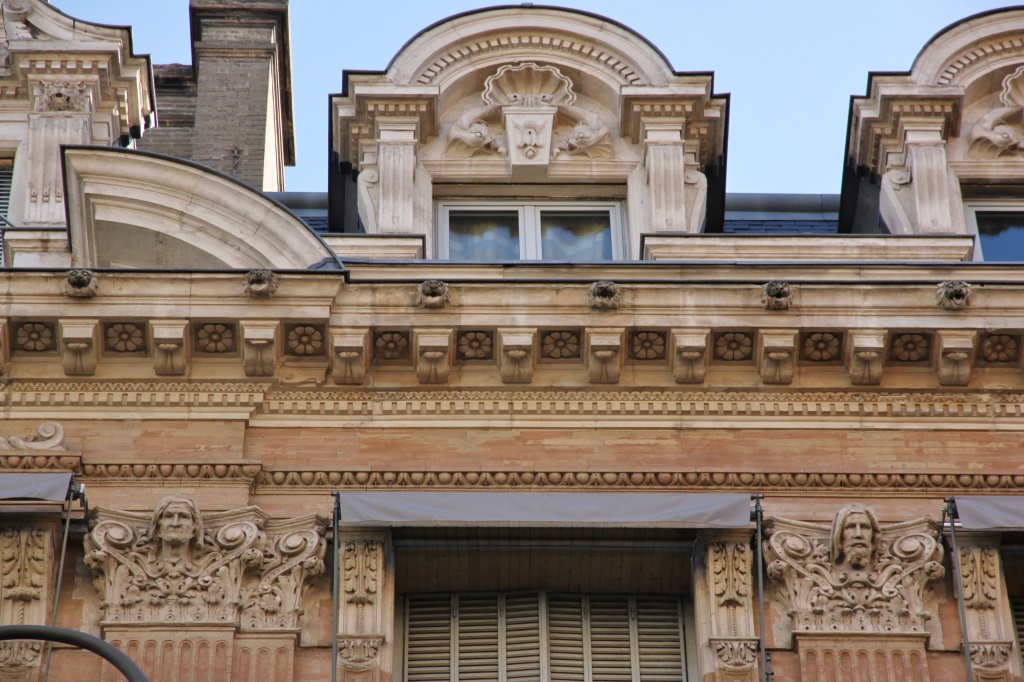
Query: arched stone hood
x,y
535,95
954,119
133,209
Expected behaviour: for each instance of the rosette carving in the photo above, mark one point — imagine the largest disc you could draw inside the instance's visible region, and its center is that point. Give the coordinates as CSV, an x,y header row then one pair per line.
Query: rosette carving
x,y
856,576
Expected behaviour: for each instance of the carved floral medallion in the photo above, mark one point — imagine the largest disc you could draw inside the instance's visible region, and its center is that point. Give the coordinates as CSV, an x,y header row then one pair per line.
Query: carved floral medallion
x,y
215,337
734,346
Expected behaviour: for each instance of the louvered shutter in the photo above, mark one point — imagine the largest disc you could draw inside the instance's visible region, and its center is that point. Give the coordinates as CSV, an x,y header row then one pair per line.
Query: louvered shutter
x,y
499,638
522,637
565,638
659,639
6,178
428,638
1017,604
610,640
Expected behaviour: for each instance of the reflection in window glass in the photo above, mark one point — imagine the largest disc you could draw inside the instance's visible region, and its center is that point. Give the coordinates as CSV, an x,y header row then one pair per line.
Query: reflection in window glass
x,y
1001,235
577,236
483,235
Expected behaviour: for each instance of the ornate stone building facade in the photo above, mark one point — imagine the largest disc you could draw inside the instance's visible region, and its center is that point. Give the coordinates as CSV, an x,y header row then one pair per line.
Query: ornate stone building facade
x,y
529,352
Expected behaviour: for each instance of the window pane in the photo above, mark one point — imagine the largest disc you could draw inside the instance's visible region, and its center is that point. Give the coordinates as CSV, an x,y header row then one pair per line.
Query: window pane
x,y
483,235
1002,235
578,236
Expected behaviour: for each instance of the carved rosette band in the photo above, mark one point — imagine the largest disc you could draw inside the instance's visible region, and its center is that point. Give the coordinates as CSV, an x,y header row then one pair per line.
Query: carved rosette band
x,y
179,565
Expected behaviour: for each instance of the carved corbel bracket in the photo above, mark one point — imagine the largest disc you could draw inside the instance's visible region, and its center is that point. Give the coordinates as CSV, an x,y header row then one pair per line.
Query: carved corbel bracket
x,y
604,355
867,349
690,355
433,353
956,356
990,627
349,355
79,341
259,354
516,355
777,355
169,356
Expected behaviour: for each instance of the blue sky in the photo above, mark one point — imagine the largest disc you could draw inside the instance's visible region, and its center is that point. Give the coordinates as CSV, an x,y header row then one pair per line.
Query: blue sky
x,y
791,66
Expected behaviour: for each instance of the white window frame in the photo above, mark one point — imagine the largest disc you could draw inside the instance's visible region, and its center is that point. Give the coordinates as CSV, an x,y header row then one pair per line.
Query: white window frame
x,y
974,206
529,222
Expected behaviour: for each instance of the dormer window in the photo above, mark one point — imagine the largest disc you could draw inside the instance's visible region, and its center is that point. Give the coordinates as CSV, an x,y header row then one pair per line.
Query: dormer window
x,y
578,232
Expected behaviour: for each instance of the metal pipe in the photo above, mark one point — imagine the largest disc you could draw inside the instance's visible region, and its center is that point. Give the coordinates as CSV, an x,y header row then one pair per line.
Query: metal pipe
x,y
335,588
72,496
953,515
766,659
48,633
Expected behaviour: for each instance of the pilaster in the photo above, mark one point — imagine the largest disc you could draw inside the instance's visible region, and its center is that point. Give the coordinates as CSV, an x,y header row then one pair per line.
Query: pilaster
x,y
366,617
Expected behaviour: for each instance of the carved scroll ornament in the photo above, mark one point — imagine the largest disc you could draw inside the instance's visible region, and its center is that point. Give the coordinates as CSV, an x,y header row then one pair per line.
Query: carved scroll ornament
x,y
856,576
1000,132
49,436
180,566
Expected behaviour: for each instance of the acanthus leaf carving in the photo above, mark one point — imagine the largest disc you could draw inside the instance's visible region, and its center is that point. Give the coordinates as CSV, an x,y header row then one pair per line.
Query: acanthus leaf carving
x,y
855,576
63,97
49,436
979,577
730,572
735,654
178,565
361,561
990,655
359,653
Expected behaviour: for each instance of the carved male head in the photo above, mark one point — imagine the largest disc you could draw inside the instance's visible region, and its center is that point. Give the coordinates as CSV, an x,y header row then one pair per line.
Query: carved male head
x,y
855,537
176,522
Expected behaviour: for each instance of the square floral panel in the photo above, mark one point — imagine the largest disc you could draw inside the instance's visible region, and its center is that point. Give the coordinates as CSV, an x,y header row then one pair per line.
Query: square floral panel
x,y
215,337
910,347
475,345
822,346
734,346
35,337
647,345
391,346
122,338
304,340
1000,347
559,344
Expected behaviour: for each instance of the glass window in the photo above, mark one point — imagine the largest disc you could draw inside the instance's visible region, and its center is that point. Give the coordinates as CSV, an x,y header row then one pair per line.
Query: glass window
x,y
487,233
1001,235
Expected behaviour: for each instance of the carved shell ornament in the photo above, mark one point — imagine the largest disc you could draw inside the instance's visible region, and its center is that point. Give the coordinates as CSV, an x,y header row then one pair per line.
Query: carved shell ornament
x,y
528,85
1000,131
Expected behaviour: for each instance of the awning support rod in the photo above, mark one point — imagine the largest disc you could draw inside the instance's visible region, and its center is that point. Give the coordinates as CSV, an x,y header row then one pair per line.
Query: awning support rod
x,y
766,658
335,588
75,492
951,512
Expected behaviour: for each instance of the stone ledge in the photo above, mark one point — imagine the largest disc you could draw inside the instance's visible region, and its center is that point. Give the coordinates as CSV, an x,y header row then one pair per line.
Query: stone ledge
x,y
840,248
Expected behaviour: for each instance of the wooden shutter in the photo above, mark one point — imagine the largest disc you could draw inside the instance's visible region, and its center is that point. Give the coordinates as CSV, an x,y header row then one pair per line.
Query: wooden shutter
x,y
477,637
610,641
566,654
428,638
522,637
1017,604
659,640
500,637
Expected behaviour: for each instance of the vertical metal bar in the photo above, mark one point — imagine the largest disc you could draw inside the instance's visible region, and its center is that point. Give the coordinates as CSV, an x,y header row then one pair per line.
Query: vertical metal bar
x,y
72,495
952,513
335,588
766,660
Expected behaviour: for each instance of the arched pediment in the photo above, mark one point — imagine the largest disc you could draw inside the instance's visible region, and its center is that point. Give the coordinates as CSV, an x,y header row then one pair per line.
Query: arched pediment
x,y
135,209
442,53
971,48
